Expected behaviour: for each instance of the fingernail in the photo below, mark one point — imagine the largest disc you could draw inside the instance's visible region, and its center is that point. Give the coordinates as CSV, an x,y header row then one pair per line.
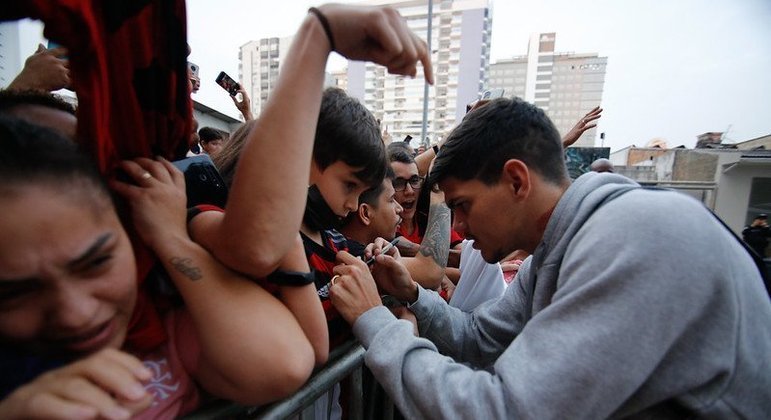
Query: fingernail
x,y
118,413
135,392
143,372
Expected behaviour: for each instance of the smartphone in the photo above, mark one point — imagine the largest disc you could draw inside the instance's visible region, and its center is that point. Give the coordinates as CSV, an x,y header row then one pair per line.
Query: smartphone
x,y
492,94
487,95
54,44
228,83
203,183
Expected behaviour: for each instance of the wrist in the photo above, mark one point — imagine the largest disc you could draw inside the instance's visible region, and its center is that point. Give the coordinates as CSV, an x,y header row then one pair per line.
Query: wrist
x,y
322,20
410,295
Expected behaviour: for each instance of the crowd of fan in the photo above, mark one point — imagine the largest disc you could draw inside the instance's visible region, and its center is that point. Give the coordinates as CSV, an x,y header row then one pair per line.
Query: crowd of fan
x,y
118,299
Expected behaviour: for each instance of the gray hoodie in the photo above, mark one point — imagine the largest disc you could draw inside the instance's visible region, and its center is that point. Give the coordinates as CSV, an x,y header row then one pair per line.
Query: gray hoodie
x,y
642,307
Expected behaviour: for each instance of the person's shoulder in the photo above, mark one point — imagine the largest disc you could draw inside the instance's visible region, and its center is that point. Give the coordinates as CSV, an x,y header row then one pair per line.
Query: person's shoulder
x,y
656,204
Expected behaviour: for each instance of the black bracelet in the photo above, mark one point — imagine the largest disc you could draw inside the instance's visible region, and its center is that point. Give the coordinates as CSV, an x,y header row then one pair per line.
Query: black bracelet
x,y
325,24
291,278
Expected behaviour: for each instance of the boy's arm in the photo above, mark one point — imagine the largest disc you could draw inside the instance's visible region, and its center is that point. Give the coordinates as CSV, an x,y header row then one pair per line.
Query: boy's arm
x,y
304,303
268,194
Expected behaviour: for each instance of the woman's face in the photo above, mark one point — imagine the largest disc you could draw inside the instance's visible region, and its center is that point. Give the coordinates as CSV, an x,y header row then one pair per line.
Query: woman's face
x,y
67,271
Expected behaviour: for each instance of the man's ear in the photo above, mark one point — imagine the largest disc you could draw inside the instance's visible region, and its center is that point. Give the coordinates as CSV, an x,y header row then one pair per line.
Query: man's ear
x,y
516,175
363,214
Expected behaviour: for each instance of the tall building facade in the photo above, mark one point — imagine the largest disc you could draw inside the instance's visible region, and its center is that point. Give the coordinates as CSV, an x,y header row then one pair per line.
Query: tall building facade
x,y
258,66
460,43
565,85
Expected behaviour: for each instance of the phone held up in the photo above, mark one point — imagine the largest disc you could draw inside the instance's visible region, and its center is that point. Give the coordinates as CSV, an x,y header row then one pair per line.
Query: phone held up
x,y
486,96
228,83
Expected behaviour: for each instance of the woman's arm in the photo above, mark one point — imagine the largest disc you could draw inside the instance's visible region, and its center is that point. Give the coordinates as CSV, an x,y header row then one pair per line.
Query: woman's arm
x,y
251,348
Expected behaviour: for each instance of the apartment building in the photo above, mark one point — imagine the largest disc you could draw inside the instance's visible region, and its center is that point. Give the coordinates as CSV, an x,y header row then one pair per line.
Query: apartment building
x,y
565,85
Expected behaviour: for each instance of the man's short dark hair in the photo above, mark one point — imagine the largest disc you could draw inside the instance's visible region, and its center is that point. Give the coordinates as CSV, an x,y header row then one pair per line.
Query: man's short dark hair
x,y
489,136
348,132
12,98
370,196
208,134
400,152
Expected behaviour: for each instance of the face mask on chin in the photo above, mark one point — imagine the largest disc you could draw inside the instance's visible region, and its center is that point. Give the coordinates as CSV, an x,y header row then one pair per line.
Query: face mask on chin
x,y
318,215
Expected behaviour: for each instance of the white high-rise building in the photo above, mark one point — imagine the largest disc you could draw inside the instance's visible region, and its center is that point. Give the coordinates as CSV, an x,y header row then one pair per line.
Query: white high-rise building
x,y
258,67
565,85
460,43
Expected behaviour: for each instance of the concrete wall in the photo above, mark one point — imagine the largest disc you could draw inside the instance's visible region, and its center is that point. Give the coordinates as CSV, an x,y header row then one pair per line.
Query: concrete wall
x,y
638,155
209,120
693,165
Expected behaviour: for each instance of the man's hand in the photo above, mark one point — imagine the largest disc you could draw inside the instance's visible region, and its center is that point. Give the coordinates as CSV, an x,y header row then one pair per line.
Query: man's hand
x,y
105,385
376,248
380,35
394,279
353,291
582,125
44,70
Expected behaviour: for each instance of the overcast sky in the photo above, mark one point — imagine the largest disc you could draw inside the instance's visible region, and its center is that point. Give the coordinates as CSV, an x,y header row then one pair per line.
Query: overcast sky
x,y
675,69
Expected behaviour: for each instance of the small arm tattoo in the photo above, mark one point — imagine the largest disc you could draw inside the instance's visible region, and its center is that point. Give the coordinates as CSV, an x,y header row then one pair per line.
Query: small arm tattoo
x,y
436,241
184,266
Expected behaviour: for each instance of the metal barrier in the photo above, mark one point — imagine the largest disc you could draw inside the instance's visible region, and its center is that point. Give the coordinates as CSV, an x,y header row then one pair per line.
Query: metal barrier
x,y
346,361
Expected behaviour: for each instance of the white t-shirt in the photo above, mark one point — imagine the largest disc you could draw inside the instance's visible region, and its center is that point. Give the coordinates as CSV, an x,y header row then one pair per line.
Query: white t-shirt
x,y
479,281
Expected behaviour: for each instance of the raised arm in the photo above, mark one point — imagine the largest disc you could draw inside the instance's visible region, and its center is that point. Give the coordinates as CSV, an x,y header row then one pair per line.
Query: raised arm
x,y
231,314
303,302
267,197
244,105
585,123
46,69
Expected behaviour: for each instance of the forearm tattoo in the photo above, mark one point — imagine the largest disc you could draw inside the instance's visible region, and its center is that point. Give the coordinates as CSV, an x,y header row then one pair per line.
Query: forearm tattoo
x,y
436,241
184,266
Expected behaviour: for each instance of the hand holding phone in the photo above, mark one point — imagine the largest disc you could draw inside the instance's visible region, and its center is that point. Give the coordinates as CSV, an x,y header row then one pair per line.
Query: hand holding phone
x,y
228,83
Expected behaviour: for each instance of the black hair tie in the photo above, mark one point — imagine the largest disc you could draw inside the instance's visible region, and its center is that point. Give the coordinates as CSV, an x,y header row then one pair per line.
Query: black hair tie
x,y
325,25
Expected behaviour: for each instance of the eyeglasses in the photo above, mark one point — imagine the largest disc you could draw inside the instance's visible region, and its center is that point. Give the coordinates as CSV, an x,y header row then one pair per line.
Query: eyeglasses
x,y
401,183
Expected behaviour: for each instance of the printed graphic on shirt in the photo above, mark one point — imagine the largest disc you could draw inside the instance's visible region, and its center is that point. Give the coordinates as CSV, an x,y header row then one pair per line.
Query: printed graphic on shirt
x,y
162,385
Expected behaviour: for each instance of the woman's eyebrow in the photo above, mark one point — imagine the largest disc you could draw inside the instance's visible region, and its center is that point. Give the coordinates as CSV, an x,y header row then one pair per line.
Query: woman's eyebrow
x,y
89,253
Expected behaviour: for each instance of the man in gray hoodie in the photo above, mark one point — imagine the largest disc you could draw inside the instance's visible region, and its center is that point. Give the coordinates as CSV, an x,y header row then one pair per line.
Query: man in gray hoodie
x,y
635,303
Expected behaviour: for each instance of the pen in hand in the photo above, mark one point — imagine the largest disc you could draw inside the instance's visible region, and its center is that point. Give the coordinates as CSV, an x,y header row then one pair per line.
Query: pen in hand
x,y
384,250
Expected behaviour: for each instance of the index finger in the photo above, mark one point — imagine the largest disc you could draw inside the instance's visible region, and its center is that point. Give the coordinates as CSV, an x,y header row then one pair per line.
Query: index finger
x,y
425,58
346,258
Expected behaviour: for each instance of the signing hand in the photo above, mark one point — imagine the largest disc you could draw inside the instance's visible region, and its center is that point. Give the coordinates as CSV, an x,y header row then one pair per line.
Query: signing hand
x,y
376,248
107,384
353,291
